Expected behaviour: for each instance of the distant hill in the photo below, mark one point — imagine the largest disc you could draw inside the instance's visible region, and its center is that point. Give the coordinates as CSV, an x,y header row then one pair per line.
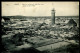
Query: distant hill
x,y
16,17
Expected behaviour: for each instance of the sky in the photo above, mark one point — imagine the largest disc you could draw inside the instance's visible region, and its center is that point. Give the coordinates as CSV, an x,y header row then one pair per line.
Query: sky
x,y
40,8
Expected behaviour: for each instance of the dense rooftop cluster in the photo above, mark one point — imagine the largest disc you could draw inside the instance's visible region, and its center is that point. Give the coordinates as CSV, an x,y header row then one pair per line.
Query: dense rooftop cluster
x,y
17,32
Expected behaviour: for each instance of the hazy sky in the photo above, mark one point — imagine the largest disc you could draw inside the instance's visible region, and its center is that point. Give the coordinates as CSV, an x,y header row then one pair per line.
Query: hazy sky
x,y
40,8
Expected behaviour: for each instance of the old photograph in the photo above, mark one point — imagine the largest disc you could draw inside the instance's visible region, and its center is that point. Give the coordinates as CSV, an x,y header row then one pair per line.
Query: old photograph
x,y
40,27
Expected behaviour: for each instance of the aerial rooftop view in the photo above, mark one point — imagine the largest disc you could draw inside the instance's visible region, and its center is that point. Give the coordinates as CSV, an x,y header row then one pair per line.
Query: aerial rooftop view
x,y
22,33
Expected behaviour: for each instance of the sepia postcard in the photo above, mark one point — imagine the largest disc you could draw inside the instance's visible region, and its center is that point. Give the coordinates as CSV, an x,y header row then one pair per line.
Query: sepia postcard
x,y
40,27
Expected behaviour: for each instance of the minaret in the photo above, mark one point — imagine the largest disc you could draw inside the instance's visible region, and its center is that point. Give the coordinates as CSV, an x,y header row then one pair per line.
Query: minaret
x,y
52,17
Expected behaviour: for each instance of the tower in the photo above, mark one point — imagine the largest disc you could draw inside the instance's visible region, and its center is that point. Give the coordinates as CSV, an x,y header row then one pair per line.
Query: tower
x,y
52,17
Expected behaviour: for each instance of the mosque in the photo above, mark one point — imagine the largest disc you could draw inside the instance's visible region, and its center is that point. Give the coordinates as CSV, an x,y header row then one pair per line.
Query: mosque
x,y
51,20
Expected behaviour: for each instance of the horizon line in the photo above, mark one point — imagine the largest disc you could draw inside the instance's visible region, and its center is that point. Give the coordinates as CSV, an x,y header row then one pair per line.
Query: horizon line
x,y
39,16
